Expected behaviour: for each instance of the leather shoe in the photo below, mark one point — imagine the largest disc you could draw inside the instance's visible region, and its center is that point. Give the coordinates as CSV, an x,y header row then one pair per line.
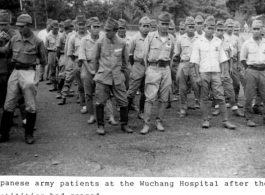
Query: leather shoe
x,y
29,139
126,129
257,109
238,113
145,129
159,126
141,115
92,120
112,121
53,89
49,83
168,105
176,98
84,110
101,130
250,123
4,138
62,102
206,124
239,105
216,112
59,96
197,104
228,125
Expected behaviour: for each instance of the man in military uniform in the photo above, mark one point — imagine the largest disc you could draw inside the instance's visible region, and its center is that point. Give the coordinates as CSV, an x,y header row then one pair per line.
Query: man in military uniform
x,y
136,49
199,25
209,56
110,59
50,44
158,52
153,25
6,68
68,28
73,70
228,68
25,48
186,72
182,28
87,70
253,59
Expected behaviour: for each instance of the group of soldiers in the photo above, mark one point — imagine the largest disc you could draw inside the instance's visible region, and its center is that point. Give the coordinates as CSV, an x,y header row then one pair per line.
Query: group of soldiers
x,y
209,58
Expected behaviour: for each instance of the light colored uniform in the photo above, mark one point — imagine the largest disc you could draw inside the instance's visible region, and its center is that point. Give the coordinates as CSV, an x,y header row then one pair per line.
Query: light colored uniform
x,y
254,55
23,78
197,34
50,44
186,70
157,54
209,55
42,35
62,61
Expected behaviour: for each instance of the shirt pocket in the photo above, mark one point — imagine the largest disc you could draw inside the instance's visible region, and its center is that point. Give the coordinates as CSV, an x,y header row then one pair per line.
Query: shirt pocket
x,y
88,54
204,52
117,52
154,52
185,49
15,52
252,54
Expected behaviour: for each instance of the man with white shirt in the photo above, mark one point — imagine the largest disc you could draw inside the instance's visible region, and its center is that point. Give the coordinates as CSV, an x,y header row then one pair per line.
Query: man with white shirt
x,y
209,56
42,35
199,25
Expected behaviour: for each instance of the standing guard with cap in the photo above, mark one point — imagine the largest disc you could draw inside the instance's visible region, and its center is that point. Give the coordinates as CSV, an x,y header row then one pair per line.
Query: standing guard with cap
x,y
61,55
158,52
186,72
209,57
25,48
50,44
228,68
153,25
110,59
88,72
6,68
199,25
234,40
252,57
73,68
136,49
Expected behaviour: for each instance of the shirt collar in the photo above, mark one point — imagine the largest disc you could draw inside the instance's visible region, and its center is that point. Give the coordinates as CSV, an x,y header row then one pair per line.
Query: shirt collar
x,y
113,41
29,39
206,40
194,37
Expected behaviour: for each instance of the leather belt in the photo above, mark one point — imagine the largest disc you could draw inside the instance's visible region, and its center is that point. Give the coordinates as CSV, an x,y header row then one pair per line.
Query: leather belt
x,y
51,51
160,63
258,68
20,66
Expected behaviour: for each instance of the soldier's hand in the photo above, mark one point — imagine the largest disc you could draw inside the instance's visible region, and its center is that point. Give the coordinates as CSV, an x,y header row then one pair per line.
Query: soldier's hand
x,y
222,77
199,80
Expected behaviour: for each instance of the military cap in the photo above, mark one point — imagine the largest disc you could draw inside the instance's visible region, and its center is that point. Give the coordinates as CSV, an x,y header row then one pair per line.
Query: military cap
x,y
237,24
172,24
67,23
220,24
94,21
189,21
24,19
153,22
88,22
257,24
49,21
111,23
209,21
55,24
182,24
80,19
229,22
165,17
61,23
122,23
198,18
145,20
4,17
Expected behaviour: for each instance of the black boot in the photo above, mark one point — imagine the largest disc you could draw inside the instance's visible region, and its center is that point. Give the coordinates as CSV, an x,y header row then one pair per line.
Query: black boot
x,y
6,124
124,120
62,102
100,119
31,120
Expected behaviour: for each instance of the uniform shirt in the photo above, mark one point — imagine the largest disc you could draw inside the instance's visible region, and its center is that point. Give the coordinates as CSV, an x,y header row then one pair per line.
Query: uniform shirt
x,y
43,34
227,46
67,41
110,59
155,49
136,47
26,50
50,42
252,52
234,40
74,44
184,46
197,34
208,54
61,42
85,52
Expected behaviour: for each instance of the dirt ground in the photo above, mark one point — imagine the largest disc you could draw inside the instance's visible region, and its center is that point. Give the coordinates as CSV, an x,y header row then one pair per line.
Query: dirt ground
x,y
67,146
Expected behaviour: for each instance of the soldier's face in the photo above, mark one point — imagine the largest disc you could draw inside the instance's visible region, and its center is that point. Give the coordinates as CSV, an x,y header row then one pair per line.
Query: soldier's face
x,y
95,30
236,32
4,27
190,29
49,27
110,33
182,31
199,26
61,29
209,31
23,29
171,31
144,28
55,30
153,28
219,32
88,28
163,26
122,31
81,27
229,29
256,31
